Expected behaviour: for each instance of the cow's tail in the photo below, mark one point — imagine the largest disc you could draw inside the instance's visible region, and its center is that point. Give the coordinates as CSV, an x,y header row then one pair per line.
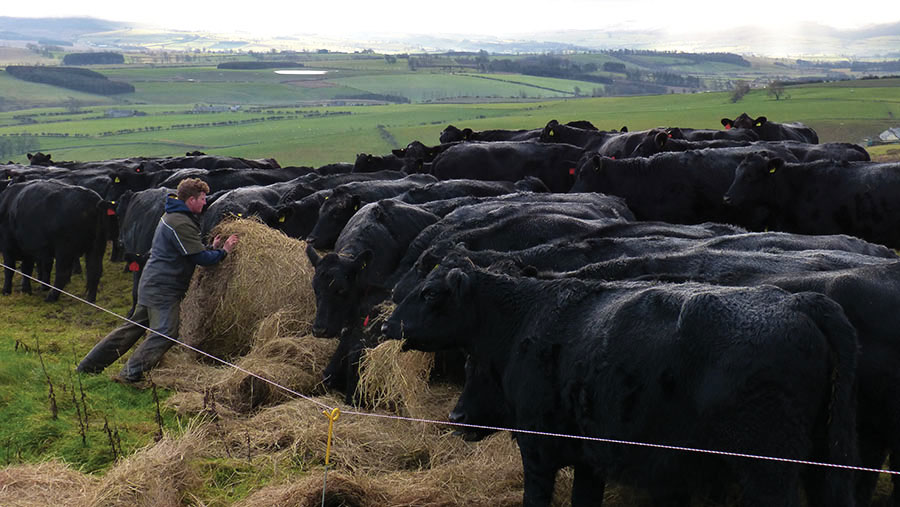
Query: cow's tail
x,y
841,423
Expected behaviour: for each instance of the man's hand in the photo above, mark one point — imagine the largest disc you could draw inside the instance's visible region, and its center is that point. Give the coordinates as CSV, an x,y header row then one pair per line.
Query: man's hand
x,y
217,241
229,243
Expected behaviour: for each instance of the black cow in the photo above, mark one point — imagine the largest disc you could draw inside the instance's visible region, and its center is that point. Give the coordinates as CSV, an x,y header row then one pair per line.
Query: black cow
x,y
76,224
554,164
351,281
212,162
612,360
804,152
139,214
367,163
237,203
452,134
609,144
345,200
685,187
772,131
305,185
709,134
868,292
822,197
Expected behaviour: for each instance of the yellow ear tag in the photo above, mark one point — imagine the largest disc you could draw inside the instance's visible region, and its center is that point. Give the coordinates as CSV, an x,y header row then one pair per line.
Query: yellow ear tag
x,y
772,171
118,180
552,133
758,124
240,214
435,267
326,197
364,266
356,208
280,220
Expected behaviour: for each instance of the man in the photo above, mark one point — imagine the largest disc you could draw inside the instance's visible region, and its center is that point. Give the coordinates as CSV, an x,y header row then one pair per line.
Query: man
x,y
177,249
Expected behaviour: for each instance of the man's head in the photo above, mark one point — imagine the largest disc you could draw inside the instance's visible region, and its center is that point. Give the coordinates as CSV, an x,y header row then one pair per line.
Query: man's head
x,y
192,191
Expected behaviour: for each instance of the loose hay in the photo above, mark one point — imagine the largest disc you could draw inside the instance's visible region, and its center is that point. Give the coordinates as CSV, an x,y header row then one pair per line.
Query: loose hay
x,y
391,378
266,273
340,491
48,483
293,363
158,475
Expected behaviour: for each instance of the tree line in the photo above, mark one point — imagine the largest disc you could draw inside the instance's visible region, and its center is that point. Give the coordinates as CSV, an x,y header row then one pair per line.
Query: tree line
x,y
82,80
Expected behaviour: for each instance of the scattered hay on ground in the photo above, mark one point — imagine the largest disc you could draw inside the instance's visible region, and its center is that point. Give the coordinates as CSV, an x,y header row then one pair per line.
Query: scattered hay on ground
x,y
43,484
292,363
157,475
341,490
267,272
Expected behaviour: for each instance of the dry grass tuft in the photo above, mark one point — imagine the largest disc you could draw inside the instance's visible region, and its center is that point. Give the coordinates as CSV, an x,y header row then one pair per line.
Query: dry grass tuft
x,y
393,379
43,484
267,272
158,475
341,490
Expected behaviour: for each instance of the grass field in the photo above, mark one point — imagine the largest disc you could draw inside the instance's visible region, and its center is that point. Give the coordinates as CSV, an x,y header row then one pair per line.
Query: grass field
x,y
297,133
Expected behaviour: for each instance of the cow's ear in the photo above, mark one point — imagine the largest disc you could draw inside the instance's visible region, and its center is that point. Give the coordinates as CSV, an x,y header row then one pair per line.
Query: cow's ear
x,y
458,282
283,213
356,202
623,129
399,153
775,164
727,123
597,161
759,122
467,133
378,212
313,255
661,139
29,155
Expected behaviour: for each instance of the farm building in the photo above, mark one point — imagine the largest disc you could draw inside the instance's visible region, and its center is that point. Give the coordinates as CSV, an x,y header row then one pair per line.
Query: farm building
x,y
891,135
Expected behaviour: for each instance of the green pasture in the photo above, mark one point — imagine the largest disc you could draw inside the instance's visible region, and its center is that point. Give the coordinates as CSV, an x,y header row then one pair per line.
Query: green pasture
x,y
846,112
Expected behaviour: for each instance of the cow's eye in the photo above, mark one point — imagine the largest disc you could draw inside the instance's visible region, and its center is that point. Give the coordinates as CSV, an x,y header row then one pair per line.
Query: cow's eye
x,y
430,295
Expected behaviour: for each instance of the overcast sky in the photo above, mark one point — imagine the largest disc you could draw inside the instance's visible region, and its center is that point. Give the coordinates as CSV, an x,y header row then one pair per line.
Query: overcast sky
x,y
486,17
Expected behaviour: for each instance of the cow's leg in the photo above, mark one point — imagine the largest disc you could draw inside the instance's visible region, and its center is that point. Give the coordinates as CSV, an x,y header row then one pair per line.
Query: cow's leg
x,y
45,267
539,478
10,261
872,455
63,275
588,486
27,269
93,264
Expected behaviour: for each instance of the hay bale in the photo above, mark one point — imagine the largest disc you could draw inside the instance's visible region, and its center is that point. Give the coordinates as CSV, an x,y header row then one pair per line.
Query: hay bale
x,y
266,273
294,363
157,475
48,483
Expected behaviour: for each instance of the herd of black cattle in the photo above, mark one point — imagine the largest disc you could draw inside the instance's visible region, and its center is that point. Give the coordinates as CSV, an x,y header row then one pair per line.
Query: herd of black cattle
x,y
582,282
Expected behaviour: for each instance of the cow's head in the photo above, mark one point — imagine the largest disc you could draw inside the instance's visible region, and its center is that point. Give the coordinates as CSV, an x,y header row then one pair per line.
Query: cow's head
x,y
338,287
439,313
39,159
653,143
296,219
334,214
754,180
550,132
590,176
452,134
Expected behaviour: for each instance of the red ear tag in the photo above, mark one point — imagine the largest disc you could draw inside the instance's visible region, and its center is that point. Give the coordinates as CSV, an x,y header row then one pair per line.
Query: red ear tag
x,y
111,212
572,171
613,158
670,136
727,127
134,267
366,322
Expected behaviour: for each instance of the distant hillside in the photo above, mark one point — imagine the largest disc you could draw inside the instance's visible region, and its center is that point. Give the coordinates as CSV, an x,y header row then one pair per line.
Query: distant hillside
x,y
56,29
805,40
